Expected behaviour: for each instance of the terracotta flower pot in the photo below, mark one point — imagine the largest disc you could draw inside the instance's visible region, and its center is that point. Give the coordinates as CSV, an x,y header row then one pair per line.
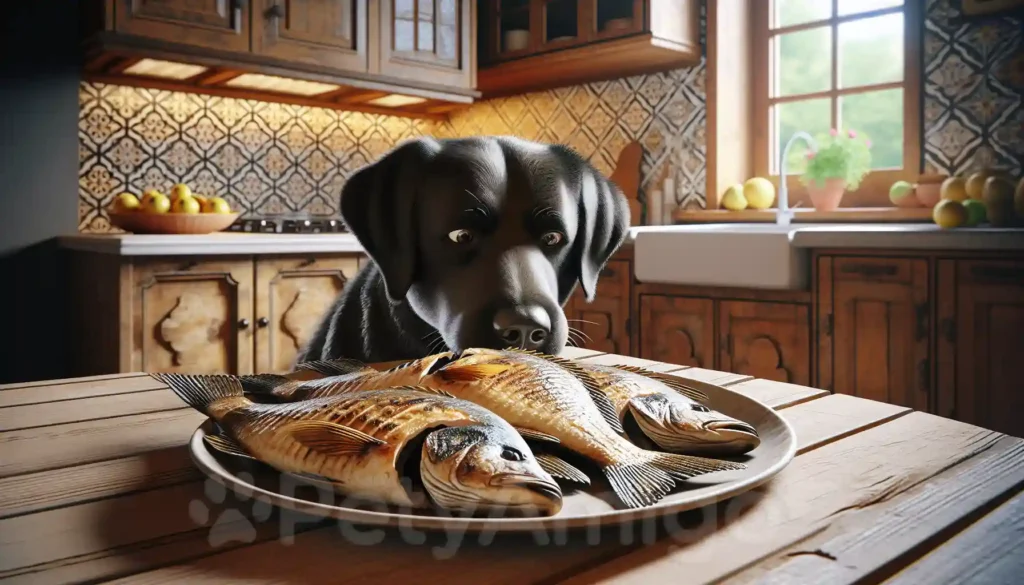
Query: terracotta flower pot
x,y
827,197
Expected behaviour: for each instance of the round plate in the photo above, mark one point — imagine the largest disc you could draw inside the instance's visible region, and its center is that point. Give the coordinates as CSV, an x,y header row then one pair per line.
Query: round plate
x,y
580,509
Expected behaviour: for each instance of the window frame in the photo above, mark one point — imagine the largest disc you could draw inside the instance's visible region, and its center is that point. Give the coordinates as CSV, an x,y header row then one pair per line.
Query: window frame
x,y
874,189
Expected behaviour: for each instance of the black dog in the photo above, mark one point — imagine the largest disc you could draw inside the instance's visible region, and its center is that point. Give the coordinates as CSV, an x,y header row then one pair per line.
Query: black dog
x,y
475,242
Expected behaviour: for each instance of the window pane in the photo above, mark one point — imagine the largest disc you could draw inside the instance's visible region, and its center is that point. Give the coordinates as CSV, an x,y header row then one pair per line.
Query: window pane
x,y
812,117
879,116
404,35
425,40
804,61
857,6
871,50
790,12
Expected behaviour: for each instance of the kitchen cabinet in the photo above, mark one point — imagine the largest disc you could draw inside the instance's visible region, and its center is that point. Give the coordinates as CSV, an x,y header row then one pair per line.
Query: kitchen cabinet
x,y
604,323
528,45
331,33
213,24
980,342
678,330
767,340
428,40
293,294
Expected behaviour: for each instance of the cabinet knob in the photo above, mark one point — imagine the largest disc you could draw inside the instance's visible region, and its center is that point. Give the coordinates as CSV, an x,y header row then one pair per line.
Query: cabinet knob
x,y
263,322
243,323
275,11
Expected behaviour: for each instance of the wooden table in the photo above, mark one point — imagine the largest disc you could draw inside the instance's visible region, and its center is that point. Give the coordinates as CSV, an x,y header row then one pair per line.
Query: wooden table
x,y
96,485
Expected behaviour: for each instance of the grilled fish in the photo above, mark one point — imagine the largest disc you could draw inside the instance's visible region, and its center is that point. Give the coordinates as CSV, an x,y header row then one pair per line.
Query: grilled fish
x,y
669,411
548,399
364,443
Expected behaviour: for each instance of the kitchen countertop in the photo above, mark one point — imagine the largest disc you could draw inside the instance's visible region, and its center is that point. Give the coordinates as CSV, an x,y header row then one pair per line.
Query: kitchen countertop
x,y
907,236
220,243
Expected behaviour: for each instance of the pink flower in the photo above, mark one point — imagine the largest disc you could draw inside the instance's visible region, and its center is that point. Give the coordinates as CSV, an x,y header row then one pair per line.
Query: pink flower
x,y
853,134
810,155
833,132
868,143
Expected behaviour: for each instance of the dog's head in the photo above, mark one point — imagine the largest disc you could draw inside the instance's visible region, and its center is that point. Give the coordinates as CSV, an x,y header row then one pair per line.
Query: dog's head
x,y
485,238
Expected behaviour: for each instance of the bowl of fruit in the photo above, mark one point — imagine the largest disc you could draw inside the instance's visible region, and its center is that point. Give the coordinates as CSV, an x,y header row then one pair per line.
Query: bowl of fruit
x,y
182,212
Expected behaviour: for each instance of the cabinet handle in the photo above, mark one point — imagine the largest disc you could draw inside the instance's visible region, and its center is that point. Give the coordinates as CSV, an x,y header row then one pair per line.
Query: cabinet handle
x,y
870,270
262,322
188,266
275,11
989,271
829,319
243,323
922,321
948,327
236,7
307,262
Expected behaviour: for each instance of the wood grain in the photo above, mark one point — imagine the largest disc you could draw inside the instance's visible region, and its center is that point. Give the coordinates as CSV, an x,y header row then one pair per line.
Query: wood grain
x,y
714,376
835,417
611,359
774,394
74,388
51,413
627,177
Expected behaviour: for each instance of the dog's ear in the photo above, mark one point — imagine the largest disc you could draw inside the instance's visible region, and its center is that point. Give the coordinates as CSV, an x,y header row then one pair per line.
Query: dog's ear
x,y
603,224
378,205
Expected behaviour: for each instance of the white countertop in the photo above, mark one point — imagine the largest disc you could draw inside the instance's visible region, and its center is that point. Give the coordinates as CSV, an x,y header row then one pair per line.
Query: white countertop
x,y
220,243
907,236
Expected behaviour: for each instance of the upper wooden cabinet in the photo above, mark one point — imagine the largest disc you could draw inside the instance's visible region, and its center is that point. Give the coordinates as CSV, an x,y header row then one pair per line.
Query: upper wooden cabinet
x,y
216,24
318,32
537,44
428,40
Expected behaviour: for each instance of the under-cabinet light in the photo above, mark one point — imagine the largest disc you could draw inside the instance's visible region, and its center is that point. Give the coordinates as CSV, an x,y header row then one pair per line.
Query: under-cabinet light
x,y
396,100
164,69
276,84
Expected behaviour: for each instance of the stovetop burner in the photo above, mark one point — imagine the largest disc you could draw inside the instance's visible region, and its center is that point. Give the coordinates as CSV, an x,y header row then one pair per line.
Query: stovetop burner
x,y
288,224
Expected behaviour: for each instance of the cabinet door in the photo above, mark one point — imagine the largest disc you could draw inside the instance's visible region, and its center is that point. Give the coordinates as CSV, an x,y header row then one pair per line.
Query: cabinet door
x,y
766,340
292,296
881,330
981,343
677,330
213,24
331,33
192,317
603,325
430,41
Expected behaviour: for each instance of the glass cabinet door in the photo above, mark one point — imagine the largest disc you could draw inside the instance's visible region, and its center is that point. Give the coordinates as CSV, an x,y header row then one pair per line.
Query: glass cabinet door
x,y
616,18
561,23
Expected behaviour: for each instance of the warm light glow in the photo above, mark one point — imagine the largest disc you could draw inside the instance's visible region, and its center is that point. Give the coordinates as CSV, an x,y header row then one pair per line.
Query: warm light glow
x,y
164,69
395,101
280,84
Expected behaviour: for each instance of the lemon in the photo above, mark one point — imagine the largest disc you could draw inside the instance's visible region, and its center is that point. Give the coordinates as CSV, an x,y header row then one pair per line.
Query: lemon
x,y
186,205
156,203
203,201
126,203
975,184
760,192
954,189
949,214
181,190
975,212
733,200
218,205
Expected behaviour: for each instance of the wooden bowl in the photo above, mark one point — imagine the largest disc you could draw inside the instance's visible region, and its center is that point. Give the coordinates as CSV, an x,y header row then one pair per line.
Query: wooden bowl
x,y
172,223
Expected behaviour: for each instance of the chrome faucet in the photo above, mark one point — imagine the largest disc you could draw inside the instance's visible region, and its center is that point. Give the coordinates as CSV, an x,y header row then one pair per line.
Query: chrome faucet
x,y
784,215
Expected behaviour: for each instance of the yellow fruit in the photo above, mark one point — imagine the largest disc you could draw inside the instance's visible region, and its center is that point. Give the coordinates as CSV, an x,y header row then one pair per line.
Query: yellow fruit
x,y
203,202
975,212
180,190
975,184
218,205
999,201
156,203
902,194
954,189
126,203
733,200
186,205
760,192
949,214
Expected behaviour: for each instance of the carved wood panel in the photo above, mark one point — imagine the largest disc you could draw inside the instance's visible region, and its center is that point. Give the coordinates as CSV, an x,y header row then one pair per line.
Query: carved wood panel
x,y
428,41
766,340
331,33
292,296
187,315
677,330
602,325
215,24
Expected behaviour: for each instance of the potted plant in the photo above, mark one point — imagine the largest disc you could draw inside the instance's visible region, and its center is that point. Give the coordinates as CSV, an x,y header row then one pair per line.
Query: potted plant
x,y
840,162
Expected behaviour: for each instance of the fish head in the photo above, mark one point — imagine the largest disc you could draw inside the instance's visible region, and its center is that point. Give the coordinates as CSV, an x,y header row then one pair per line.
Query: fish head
x,y
472,468
683,425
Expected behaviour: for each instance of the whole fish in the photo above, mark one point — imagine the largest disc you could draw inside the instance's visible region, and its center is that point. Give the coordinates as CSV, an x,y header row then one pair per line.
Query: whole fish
x,y
548,398
362,445
669,411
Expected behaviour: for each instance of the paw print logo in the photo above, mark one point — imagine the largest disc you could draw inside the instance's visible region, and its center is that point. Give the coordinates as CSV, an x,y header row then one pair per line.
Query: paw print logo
x,y
229,523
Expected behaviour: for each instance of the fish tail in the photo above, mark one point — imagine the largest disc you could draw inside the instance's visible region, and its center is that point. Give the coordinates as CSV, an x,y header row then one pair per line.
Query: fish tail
x,y
647,481
262,383
210,394
683,467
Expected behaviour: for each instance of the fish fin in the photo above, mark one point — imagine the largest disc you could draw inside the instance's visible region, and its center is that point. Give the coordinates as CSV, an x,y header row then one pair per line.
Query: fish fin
x,y
532,435
639,484
427,390
561,469
331,439
673,382
226,445
683,467
607,409
200,391
456,372
336,367
262,383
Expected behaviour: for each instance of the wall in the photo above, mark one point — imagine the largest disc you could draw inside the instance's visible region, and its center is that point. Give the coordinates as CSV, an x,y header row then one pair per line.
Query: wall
x,y
973,87
39,73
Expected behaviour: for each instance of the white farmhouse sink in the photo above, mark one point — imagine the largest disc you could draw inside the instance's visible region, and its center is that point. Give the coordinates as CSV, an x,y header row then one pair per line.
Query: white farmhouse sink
x,y
734,255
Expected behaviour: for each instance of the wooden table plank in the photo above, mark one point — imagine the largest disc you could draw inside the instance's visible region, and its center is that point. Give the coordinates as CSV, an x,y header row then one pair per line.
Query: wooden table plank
x,y
774,394
875,539
38,393
988,551
56,446
814,490
611,359
836,416
63,381
575,353
714,376
67,411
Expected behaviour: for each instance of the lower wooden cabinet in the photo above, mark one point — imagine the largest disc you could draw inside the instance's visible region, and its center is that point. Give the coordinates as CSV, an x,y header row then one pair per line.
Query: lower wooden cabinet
x,y
603,324
677,330
227,314
765,339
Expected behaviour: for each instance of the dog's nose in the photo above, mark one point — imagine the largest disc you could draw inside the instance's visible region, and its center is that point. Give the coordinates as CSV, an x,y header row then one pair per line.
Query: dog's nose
x,y
523,327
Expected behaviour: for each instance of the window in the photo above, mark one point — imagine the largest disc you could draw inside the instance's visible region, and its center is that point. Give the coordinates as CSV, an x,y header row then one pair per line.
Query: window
x,y
847,64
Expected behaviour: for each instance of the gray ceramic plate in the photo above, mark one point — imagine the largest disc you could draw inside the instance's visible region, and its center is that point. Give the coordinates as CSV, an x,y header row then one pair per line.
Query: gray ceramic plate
x,y
580,509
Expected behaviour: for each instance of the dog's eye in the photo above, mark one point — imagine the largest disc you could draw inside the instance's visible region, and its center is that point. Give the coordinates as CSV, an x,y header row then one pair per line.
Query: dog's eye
x,y
460,236
552,238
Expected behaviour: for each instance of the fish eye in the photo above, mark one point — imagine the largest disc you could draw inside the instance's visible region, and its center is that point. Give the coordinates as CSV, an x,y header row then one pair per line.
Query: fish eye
x,y
552,238
512,454
701,408
461,236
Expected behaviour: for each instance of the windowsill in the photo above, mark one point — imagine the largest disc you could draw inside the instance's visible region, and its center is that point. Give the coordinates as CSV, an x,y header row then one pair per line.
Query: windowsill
x,y
807,215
